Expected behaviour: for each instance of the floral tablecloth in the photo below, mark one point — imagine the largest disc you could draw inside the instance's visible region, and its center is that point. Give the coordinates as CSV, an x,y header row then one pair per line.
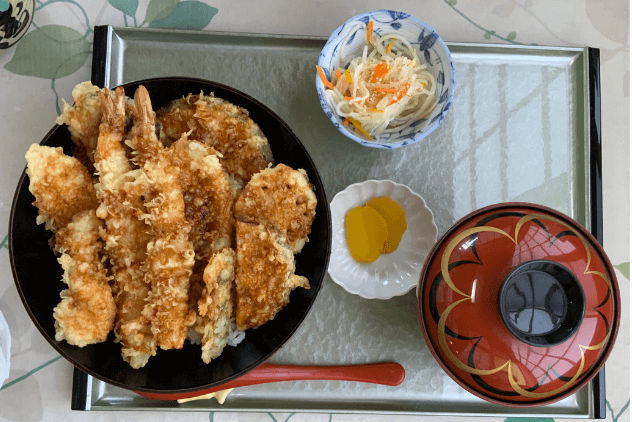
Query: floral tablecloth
x,y
55,55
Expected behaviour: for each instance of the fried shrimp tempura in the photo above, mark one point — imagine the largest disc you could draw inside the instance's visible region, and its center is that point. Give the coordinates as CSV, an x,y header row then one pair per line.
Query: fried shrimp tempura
x,y
87,310
265,274
281,198
222,125
216,304
170,258
61,185
84,117
170,254
126,234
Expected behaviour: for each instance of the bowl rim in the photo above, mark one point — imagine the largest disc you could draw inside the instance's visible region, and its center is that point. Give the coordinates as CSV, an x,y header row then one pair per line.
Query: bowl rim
x,y
412,194
615,287
386,145
318,184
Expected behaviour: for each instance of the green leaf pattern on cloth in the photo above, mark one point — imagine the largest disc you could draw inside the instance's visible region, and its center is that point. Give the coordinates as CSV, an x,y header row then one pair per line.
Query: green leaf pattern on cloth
x,y
50,52
158,9
129,7
624,268
187,15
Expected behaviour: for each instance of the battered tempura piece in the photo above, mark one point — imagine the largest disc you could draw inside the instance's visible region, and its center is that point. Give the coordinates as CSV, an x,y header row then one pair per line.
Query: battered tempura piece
x,y
208,201
281,198
84,117
61,185
126,235
170,255
216,304
208,197
87,310
265,274
217,123
170,258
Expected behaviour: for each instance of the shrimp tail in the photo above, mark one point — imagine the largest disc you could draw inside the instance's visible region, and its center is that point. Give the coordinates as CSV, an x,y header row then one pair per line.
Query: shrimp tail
x,y
113,110
143,106
145,144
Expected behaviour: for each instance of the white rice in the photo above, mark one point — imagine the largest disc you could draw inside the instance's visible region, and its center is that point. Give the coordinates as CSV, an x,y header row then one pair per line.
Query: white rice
x,y
235,336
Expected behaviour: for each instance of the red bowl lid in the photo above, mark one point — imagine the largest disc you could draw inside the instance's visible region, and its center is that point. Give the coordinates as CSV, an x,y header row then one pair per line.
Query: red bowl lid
x,y
519,304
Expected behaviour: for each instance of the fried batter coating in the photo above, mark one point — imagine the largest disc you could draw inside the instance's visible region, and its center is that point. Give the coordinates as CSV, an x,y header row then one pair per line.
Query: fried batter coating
x,y
216,304
61,185
169,263
222,125
265,274
208,197
281,198
170,257
170,254
208,201
87,310
126,234
84,117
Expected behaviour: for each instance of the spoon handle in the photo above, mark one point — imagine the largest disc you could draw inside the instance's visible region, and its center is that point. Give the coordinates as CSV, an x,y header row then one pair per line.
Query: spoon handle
x,y
389,373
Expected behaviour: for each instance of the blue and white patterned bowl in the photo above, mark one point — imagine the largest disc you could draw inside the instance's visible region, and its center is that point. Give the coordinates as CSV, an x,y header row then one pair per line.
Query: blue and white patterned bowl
x,y
431,48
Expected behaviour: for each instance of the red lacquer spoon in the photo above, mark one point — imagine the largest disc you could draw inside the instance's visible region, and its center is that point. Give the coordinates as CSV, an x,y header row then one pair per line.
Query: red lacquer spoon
x,y
389,373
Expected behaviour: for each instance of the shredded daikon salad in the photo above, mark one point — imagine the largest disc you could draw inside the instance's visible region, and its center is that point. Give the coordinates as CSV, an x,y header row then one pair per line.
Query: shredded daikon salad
x,y
385,90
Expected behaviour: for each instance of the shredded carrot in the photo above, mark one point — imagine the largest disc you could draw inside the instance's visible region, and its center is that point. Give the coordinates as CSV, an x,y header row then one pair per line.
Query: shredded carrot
x,y
348,76
387,90
388,49
348,98
359,127
345,122
379,71
338,74
323,78
393,90
375,109
369,32
400,94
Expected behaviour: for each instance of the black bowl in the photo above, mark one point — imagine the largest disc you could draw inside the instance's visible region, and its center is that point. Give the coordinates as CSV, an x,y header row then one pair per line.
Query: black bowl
x,y
38,275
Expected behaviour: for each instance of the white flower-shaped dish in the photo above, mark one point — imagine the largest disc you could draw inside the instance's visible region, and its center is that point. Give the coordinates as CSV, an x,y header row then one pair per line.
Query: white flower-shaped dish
x,y
392,274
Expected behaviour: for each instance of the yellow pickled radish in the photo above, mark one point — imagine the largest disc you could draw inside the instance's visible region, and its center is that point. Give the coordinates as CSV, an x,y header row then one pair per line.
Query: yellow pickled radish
x,y
395,218
366,233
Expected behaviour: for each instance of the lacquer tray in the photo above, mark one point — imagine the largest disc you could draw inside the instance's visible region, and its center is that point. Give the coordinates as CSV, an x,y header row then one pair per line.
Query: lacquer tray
x,y
525,126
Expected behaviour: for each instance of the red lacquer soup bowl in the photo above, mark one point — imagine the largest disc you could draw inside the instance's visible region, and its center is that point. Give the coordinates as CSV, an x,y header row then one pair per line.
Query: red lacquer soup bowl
x,y
519,304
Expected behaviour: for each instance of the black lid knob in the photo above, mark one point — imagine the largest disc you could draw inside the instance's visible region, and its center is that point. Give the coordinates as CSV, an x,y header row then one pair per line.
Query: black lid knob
x,y
542,303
